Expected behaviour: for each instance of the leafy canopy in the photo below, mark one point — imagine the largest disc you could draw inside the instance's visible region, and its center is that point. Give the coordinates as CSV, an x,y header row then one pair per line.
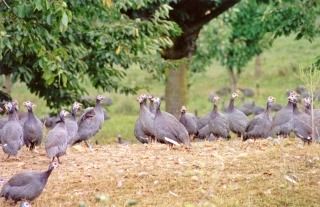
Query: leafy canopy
x,y
53,46
233,38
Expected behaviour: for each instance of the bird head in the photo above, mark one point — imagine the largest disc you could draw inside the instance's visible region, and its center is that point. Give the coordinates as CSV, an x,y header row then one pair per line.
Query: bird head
x,y
28,104
77,105
53,165
100,97
157,101
150,97
215,99
183,109
306,100
235,95
139,99
271,99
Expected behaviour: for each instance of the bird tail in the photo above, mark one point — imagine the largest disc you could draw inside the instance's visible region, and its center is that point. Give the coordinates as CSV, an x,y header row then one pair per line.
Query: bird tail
x,y
76,142
171,141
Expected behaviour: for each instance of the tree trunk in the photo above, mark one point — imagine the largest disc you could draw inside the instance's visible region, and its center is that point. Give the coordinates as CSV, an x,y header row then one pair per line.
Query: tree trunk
x,y
233,78
176,89
7,86
190,15
257,68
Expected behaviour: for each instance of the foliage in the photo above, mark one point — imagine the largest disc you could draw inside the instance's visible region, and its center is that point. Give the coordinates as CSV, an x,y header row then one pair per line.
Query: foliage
x,y
233,38
287,17
53,45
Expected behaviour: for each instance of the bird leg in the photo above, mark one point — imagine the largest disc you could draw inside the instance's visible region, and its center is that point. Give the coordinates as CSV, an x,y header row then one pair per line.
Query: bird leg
x,y
7,158
53,159
58,160
90,148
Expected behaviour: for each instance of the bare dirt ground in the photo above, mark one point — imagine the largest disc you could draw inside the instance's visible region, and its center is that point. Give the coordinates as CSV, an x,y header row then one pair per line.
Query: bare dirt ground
x,y
226,173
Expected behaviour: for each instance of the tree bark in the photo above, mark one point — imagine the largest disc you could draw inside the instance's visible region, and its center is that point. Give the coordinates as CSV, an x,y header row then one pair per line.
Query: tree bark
x,y
233,78
7,86
176,89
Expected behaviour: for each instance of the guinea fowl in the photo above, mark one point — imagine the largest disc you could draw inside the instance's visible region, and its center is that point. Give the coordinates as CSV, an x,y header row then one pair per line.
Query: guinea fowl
x,y
90,123
32,128
204,132
260,126
138,131
152,109
169,130
302,122
316,116
257,109
146,119
282,120
189,121
276,107
56,140
204,120
71,123
11,133
218,124
238,121
26,185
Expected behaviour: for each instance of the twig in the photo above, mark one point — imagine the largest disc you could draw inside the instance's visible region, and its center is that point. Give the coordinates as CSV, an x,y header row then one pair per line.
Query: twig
x,y
10,8
6,4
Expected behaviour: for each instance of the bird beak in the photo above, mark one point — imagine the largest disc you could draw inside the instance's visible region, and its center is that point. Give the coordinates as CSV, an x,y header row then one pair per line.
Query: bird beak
x,y
25,103
33,105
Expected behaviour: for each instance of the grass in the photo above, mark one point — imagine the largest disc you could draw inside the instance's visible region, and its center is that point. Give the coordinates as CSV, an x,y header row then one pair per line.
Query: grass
x,y
210,174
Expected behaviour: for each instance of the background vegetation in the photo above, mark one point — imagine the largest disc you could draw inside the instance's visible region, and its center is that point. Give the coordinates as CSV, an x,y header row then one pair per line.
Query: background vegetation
x,y
280,67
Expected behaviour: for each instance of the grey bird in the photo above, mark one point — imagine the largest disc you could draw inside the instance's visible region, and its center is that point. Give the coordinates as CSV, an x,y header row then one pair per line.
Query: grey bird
x,y
32,128
282,120
90,123
12,133
71,123
189,121
26,185
56,140
169,130
237,120
260,126
218,124
302,122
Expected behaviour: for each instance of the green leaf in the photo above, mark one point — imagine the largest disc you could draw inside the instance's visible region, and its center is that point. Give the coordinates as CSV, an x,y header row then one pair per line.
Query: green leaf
x,y
50,81
21,11
64,80
47,74
49,19
64,19
38,5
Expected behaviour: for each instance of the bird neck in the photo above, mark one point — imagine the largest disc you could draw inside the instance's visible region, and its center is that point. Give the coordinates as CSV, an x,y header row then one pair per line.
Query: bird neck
x,y
268,107
308,109
74,113
295,107
231,105
30,113
151,107
48,172
13,115
215,108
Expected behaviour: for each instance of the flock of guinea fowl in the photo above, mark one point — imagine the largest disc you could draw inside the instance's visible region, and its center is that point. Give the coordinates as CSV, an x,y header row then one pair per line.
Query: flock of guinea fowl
x,y
152,126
